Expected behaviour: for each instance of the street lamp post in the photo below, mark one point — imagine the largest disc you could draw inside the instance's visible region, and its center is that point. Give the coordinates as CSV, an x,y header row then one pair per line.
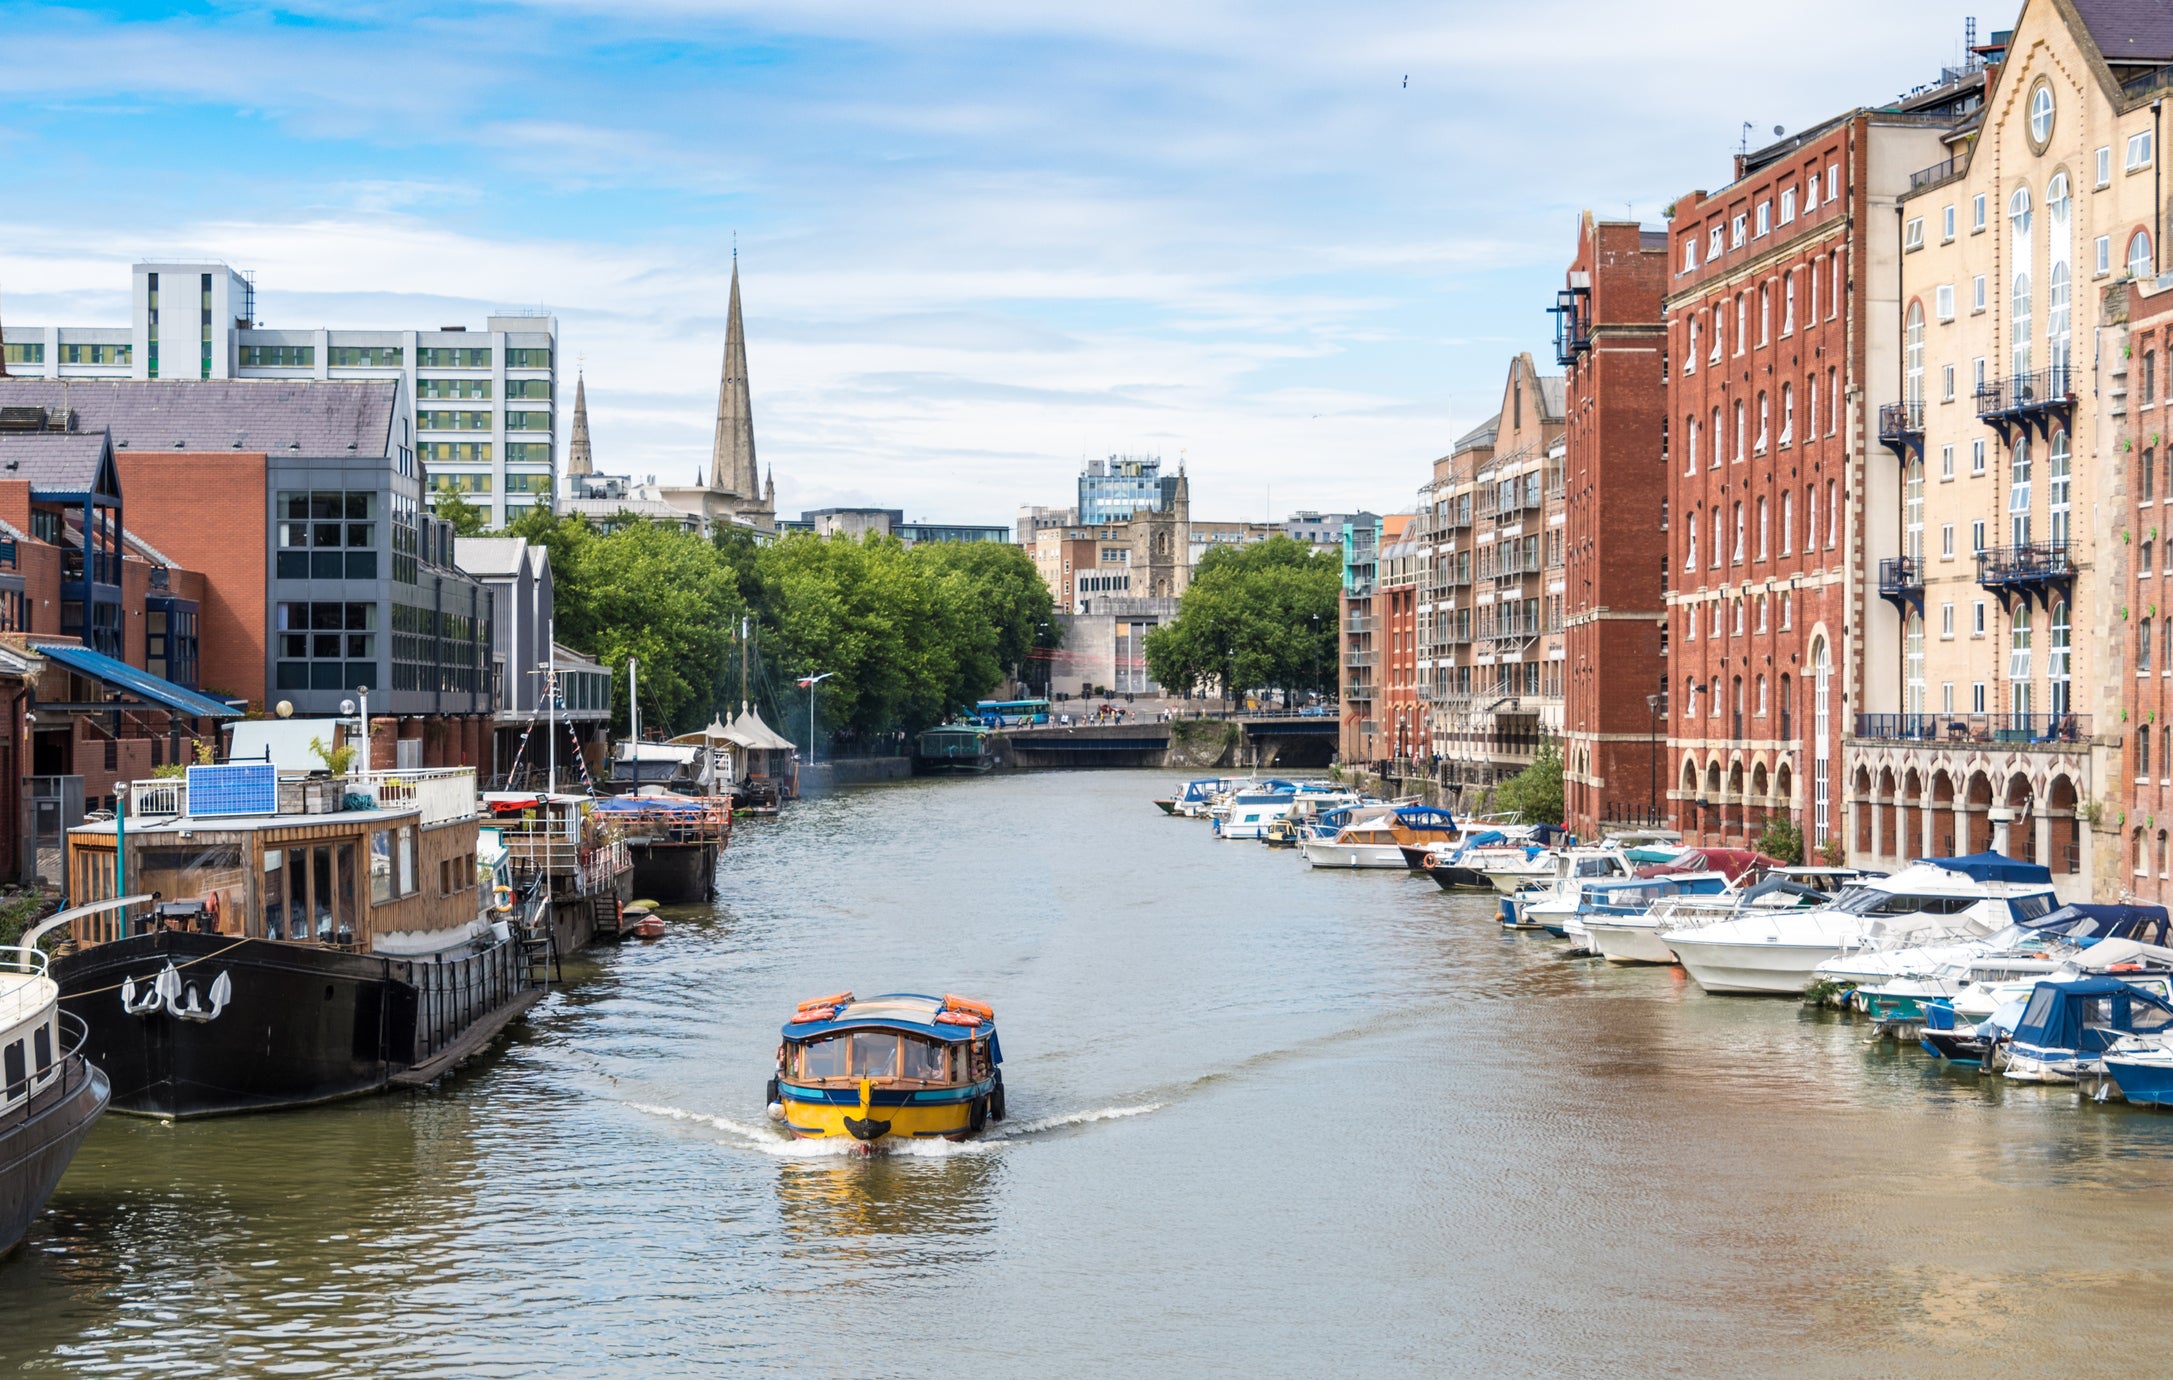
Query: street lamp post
x,y
1652,796
811,682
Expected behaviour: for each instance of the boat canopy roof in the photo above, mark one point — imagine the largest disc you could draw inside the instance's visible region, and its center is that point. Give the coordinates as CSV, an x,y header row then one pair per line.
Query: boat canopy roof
x,y
652,804
1734,862
1425,817
1993,867
910,1012
2087,924
2055,1017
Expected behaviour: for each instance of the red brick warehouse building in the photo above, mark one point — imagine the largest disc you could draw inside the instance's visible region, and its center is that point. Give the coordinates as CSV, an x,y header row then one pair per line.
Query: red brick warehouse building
x,y
1774,282
1611,341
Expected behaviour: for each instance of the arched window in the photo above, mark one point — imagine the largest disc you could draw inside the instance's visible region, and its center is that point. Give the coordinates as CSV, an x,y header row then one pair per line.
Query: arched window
x,y
1833,400
1690,428
1765,423
1741,428
1788,302
2057,658
2058,479
1765,313
1810,518
1735,556
1714,563
1738,625
2057,251
1761,606
2143,643
1913,662
1742,322
2141,862
1788,706
2018,492
1761,529
2139,255
1690,560
1912,357
1761,697
2161,853
1690,357
1720,339
1788,520
1690,703
1821,728
1714,711
1788,413
2018,316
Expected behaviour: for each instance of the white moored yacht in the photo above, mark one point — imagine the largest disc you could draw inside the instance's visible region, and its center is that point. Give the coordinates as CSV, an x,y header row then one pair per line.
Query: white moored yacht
x,y
1779,951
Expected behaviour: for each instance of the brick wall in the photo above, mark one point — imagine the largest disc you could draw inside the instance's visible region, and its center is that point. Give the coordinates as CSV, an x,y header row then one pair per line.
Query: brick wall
x,y
208,511
1617,499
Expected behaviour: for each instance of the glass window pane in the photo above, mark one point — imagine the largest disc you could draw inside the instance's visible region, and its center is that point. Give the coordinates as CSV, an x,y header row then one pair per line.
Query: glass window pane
x,y
875,1054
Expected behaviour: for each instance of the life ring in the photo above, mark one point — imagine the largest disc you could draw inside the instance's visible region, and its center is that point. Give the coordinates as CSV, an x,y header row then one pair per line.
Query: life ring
x,y
964,1018
1431,861
501,897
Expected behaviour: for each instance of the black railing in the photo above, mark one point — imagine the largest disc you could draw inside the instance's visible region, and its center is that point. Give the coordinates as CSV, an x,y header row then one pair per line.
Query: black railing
x,y
1900,575
2020,393
2033,563
105,568
2013,729
1937,172
1901,421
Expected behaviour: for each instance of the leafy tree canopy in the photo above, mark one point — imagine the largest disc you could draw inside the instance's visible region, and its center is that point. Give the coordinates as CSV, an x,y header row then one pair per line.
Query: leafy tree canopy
x,y
1255,616
1536,792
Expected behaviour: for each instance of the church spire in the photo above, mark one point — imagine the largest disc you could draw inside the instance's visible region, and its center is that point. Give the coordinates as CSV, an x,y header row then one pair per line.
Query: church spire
x,y
579,458
732,455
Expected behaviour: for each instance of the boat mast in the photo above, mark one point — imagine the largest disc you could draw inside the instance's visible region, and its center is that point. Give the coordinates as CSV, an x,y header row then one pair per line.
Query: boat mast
x,y
633,714
550,701
743,663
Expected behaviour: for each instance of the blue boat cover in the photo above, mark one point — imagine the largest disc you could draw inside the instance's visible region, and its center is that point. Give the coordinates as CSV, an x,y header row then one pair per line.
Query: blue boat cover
x,y
2054,1018
1485,837
1993,867
1549,834
122,676
652,804
2086,923
1426,816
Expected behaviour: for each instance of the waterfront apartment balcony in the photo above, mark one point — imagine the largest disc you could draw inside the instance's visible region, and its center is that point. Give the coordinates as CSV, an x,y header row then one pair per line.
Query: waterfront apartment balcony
x,y
1572,312
2029,401
2054,731
1901,582
1901,428
1360,658
2035,571
1936,173
1358,624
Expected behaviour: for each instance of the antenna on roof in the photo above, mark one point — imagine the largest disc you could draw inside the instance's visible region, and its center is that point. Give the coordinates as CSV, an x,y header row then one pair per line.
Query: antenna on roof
x,y
1743,145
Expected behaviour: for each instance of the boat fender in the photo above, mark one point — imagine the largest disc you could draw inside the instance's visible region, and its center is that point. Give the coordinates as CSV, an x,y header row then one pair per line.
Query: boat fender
x,y
978,1008
1431,861
772,1095
964,1018
211,909
834,999
996,1098
776,1111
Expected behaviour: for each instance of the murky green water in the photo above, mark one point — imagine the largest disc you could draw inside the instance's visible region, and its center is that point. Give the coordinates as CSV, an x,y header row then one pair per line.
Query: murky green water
x,y
1263,1121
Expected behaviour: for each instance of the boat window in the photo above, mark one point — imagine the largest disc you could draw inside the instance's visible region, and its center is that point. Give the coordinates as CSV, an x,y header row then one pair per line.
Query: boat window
x,y
925,1061
2142,1019
42,1043
2031,907
823,1058
2039,1009
275,893
1862,900
14,1069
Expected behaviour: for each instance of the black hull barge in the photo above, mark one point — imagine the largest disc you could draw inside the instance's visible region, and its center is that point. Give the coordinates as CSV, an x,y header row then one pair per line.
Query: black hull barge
x,y
289,959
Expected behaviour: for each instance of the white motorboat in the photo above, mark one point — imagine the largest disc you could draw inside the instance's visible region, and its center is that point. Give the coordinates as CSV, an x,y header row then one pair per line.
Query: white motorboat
x,y
1252,811
1778,951
1378,842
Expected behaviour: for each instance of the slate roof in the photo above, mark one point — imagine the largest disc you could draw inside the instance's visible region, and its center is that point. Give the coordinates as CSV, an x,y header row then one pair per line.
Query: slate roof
x,y
490,557
53,461
1481,435
2130,30
321,418
1551,395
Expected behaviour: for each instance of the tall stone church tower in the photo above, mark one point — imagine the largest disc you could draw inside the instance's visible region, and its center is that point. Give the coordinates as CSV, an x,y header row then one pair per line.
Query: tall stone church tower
x,y
580,459
1162,543
732,489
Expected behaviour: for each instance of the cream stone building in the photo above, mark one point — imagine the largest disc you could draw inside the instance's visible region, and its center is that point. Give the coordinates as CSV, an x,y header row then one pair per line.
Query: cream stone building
x,y
1999,720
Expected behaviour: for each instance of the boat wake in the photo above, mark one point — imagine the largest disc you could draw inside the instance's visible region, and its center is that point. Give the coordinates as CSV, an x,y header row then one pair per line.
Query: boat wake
x,y
770,1141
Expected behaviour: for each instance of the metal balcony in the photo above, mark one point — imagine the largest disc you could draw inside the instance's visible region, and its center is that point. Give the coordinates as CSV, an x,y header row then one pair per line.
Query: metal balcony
x,y
1901,428
2030,401
1901,582
2036,571
1572,311
2019,730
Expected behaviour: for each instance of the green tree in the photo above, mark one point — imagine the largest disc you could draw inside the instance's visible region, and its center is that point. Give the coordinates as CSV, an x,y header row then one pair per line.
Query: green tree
x,y
467,519
1781,839
1254,617
1536,792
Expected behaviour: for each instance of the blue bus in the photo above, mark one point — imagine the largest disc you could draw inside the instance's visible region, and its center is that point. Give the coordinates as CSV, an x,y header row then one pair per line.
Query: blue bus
x,y
1011,713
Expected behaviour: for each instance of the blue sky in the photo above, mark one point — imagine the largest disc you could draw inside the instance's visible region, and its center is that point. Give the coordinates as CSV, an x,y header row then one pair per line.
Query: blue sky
x,y
979,240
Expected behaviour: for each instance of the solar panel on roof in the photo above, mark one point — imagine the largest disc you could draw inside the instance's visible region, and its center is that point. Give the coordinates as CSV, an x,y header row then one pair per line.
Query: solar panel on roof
x,y
235,788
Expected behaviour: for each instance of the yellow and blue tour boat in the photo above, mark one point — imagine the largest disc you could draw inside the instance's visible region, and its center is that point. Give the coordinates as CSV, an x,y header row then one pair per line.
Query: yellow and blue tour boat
x,y
900,1065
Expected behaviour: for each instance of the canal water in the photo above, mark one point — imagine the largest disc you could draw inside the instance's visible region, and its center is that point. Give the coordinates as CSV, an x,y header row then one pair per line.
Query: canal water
x,y
1264,1120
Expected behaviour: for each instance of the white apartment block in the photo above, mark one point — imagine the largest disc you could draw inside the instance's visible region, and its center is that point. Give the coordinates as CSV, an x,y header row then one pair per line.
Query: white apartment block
x,y
486,402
